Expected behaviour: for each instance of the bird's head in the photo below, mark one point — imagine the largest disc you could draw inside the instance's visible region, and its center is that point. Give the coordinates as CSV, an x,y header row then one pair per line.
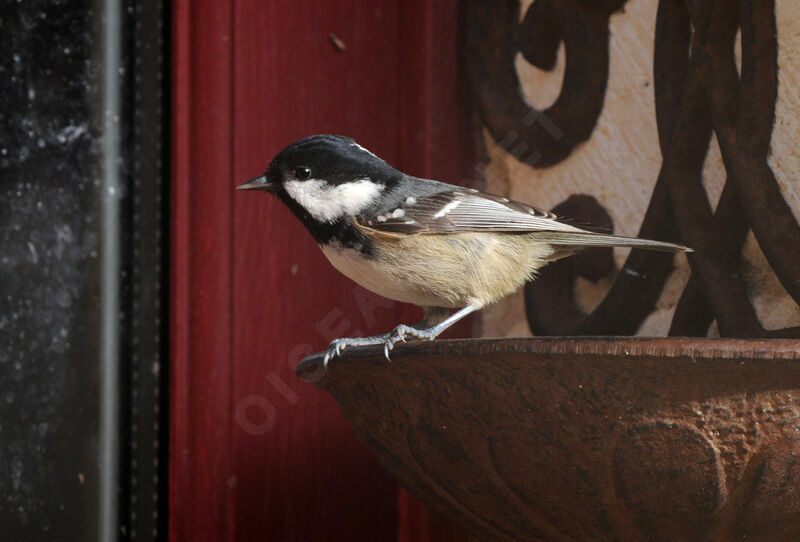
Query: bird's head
x,y
326,176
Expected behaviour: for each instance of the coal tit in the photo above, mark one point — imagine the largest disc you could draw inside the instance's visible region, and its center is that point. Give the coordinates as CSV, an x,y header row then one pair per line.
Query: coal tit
x,y
417,240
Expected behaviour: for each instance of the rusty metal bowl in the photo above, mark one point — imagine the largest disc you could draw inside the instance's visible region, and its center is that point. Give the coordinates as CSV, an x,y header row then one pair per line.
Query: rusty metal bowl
x,y
586,439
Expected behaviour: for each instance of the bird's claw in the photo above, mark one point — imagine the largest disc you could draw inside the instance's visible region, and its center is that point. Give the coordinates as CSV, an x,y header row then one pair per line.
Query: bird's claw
x,y
387,346
334,350
400,333
391,339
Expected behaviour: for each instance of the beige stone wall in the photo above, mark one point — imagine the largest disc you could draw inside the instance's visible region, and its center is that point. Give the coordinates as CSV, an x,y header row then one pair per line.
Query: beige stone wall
x,y
619,165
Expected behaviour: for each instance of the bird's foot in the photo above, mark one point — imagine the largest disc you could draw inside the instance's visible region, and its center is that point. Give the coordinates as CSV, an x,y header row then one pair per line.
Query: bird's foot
x,y
399,334
403,332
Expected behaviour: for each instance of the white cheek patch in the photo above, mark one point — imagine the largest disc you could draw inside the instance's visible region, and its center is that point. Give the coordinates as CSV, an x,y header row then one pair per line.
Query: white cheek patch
x,y
327,203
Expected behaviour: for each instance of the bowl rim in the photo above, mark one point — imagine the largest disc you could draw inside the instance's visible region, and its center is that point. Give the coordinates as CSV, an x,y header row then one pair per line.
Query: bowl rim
x,y
705,348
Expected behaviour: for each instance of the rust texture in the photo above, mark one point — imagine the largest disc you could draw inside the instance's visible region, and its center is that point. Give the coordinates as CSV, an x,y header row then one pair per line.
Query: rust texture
x,y
698,92
586,439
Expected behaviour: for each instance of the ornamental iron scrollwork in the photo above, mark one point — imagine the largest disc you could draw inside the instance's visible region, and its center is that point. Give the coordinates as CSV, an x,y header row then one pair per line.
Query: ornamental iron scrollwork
x,y
698,91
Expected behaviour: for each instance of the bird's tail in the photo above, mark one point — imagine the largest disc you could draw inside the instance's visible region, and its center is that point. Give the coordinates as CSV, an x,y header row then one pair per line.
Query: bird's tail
x,y
589,239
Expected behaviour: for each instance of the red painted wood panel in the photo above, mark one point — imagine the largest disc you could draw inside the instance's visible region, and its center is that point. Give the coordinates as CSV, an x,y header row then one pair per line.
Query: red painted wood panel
x,y
256,454
200,458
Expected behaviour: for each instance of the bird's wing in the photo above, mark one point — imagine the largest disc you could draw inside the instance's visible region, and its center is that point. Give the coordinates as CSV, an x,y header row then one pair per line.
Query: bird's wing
x,y
461,210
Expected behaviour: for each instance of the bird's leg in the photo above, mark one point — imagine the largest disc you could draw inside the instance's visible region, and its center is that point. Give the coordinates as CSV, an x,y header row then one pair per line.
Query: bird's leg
x,y
435,322
433,316
422,330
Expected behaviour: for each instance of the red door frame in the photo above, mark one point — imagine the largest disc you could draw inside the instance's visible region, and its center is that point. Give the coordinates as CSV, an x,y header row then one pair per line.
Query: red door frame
x,y
248,78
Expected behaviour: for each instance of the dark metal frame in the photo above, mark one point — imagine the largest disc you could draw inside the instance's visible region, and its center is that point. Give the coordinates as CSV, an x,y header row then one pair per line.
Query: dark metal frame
x,y
144,459
83,298
697,90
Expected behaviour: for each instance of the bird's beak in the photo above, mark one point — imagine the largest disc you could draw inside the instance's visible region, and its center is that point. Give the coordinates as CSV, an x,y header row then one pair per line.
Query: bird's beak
x,y
259,183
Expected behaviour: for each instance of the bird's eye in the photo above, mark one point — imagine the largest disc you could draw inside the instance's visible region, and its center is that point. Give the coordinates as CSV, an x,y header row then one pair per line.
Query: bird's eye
x,y
302,173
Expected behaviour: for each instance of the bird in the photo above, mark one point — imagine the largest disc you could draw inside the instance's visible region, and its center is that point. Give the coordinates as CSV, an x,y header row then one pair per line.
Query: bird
x,y
420,241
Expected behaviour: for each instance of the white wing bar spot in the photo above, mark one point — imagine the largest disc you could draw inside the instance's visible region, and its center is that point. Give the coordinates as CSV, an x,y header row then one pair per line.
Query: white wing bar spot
x,y
447,208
